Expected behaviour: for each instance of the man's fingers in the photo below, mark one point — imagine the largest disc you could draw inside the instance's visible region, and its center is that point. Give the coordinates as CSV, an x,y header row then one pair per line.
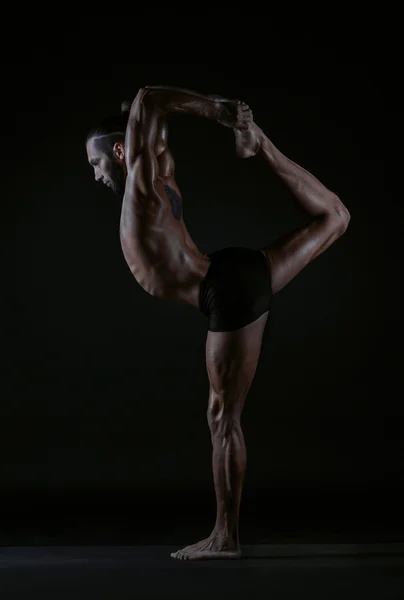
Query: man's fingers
x,y
241,110
246,116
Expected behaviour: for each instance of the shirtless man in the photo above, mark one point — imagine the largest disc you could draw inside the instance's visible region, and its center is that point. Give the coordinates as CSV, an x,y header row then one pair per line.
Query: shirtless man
x,y
233,287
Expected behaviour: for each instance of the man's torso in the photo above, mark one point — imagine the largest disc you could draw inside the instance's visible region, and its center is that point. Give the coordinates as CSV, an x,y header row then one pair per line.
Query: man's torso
x,y
158,248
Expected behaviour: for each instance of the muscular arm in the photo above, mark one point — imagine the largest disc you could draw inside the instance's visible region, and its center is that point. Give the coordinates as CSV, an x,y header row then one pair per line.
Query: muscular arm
x,y
170,88
148,163
230,113
140,149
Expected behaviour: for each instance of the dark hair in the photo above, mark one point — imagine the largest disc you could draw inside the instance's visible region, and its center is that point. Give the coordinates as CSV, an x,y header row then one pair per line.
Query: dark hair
x,y
115,124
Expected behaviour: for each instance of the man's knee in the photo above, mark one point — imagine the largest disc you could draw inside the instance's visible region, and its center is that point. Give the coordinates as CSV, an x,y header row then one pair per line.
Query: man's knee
x,y
222,413
345,218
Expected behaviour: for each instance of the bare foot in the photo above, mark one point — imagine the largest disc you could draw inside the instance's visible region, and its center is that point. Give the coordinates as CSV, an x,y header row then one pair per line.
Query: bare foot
x,y
248,141
211,547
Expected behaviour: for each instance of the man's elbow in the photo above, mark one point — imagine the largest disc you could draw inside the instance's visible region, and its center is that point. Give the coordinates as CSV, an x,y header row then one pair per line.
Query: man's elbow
x,y
155,99
144,98
150,98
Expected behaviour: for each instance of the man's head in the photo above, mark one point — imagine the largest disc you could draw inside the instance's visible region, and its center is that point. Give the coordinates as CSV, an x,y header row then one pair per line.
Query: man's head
x,y
106,152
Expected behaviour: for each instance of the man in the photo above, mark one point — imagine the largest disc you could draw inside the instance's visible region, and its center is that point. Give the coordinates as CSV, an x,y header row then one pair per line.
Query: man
x,y
234,287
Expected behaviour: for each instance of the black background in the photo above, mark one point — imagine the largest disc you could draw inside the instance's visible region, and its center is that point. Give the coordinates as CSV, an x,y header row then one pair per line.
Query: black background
x,y
103,414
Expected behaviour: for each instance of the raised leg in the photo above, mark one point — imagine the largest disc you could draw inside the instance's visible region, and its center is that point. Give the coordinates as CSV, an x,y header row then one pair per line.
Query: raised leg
x,y
231,359
292,252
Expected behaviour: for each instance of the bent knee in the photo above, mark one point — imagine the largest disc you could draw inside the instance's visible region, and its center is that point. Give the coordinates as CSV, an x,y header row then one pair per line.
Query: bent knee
x,y
345,217
338,216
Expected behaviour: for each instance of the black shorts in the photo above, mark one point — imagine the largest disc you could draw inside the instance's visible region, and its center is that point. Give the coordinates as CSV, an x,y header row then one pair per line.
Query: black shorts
x,y
236,289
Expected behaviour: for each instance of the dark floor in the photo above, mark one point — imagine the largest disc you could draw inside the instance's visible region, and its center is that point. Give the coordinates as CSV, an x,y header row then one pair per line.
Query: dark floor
x,y
326,572
341,544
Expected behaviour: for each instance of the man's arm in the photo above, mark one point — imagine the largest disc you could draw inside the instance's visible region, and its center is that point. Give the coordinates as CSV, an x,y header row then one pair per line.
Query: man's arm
x,y
231,113
140,143
170,88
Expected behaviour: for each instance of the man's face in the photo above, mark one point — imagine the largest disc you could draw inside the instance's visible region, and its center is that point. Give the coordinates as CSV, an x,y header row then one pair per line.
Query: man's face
x,y
109,166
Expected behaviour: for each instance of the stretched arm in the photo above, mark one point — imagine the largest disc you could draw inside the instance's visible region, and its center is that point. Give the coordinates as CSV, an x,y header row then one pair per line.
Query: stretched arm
x,y
230,113
140,143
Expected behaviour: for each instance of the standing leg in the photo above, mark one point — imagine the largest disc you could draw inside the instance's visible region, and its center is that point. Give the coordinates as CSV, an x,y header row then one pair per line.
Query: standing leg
x,y
289,254
231,359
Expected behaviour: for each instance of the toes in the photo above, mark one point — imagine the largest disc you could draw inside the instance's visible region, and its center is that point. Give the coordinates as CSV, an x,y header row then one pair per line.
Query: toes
x,y
180,555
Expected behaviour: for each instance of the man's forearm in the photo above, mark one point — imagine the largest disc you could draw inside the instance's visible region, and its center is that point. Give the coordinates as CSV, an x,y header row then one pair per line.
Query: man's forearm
x,y
169,88
171,99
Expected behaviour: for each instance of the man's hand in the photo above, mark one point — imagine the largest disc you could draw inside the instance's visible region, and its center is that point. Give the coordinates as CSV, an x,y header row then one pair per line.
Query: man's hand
x,y
234,114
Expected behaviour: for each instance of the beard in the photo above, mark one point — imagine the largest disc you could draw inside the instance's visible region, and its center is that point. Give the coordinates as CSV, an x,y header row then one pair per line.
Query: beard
x,y
117,179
